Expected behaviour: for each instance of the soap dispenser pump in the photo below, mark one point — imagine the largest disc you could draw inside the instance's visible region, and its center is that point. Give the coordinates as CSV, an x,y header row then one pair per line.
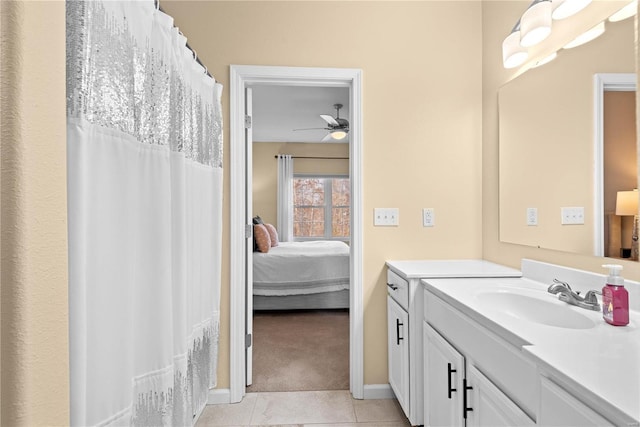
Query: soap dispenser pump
x,y
615,298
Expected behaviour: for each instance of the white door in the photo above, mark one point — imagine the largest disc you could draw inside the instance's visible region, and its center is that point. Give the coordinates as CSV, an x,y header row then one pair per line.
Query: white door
x,y
398,346
249,235
443,375
489,406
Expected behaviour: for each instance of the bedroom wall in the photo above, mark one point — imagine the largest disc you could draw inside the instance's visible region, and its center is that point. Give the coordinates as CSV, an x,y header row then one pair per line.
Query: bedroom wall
x,y
497,20
422,117
265,170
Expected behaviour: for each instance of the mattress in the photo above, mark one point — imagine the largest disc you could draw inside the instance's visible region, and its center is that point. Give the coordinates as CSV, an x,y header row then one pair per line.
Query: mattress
x,y
301,268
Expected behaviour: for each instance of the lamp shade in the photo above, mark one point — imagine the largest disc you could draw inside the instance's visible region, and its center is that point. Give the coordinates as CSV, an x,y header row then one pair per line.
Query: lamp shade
x,y
626,12
627,203
586,37
513,54
535,24
565,8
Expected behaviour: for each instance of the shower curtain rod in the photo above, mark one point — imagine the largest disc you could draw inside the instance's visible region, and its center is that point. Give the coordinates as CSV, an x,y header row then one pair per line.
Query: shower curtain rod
x,y
195,55
311,157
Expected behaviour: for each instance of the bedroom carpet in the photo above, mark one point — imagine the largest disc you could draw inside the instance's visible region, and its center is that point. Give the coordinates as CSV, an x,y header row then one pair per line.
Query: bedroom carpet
x,y
300,351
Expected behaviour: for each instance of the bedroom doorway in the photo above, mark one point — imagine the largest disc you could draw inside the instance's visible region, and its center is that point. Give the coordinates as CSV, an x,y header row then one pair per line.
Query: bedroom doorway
x,y
243,77
300,334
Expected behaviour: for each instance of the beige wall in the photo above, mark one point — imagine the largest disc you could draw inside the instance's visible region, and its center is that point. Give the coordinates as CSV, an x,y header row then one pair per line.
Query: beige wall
x,y
498,18
265,170
35,374
422,119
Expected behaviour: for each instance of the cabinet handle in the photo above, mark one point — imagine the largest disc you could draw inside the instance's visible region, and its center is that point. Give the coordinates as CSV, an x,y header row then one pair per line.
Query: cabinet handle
x,y
392,286
449,388
398,337
465,409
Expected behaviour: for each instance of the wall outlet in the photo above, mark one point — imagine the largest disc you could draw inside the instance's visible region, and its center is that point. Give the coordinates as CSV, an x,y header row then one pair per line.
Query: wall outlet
x,y
532,216
428,217
572,215
386,217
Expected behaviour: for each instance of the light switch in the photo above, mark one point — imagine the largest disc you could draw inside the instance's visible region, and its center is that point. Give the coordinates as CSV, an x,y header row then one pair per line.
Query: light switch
x,y
386,217
572,215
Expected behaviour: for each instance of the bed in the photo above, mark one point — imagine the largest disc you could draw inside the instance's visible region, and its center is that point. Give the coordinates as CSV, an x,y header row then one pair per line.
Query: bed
x,y
302,275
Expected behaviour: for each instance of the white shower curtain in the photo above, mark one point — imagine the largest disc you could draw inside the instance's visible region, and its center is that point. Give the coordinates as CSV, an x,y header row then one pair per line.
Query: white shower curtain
x,y
144,166
285,198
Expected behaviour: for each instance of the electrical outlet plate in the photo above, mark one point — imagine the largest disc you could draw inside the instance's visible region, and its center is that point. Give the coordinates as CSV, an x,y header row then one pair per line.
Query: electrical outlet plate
x,y
532,216
386,217
572,215
428,217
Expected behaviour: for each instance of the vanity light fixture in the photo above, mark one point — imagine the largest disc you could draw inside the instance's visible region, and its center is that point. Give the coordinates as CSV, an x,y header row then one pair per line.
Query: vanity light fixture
x,y
586,37
546,60
513,54
565,8
626,12
535,24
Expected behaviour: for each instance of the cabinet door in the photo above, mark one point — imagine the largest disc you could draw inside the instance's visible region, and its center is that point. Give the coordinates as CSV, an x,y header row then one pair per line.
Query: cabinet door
x,y
559,408
443,373
488,406
398,346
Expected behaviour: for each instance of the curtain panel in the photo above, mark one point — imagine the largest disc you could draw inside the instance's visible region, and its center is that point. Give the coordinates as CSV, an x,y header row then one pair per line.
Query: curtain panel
x,y
285,198
144,141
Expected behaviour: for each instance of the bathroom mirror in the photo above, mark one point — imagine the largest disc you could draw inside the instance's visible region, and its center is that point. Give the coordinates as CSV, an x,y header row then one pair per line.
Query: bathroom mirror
x,y
547,149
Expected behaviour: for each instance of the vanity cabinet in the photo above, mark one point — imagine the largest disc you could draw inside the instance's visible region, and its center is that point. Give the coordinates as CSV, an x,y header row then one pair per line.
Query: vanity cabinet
x,y
456,393
398,351
559,408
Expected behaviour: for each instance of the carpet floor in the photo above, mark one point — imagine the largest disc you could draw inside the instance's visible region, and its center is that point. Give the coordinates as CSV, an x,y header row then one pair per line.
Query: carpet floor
x,y
300,350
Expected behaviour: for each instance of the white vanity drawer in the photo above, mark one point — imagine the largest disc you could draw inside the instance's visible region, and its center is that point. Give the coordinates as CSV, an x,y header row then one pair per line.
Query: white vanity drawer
x,y
398,289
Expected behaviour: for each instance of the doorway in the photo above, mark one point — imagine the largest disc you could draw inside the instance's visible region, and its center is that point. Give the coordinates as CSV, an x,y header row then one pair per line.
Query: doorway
x,y
243,77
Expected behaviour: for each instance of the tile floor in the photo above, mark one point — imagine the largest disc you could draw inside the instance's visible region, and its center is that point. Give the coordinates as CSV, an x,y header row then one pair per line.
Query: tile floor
x,y
305,408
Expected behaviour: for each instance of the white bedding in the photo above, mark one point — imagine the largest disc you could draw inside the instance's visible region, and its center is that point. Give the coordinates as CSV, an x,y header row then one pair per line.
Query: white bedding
x,y
301,268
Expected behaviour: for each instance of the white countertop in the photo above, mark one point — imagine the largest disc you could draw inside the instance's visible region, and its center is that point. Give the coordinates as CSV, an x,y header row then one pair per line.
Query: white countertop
x,y
601,362
451,268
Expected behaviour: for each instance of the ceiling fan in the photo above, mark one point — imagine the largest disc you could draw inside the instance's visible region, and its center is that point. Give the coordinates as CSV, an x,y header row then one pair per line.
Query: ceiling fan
x,y
337,127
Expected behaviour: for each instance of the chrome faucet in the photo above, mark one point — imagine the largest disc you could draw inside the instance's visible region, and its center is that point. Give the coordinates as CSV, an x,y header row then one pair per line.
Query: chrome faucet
x,y
566,294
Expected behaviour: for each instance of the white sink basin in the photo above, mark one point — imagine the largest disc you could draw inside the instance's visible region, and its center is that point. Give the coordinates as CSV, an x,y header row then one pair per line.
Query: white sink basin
x,y
535,306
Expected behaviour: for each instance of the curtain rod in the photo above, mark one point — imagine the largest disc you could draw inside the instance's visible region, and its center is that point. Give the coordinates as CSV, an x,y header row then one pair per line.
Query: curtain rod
x,y
311,157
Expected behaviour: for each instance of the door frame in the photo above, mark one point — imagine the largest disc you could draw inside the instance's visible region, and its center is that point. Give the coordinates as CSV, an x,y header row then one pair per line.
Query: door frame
x,y
603,82
242,76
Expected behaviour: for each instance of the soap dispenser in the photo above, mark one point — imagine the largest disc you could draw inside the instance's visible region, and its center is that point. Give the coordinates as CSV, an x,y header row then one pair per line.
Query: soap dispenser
x,y
615,298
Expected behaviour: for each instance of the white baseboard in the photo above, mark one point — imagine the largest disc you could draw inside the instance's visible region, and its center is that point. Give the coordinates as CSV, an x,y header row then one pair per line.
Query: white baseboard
x,y
378,391
218,396
371,391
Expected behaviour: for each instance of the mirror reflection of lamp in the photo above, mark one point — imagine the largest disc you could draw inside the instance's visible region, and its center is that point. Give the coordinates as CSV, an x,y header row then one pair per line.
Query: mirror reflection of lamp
x,y
627,205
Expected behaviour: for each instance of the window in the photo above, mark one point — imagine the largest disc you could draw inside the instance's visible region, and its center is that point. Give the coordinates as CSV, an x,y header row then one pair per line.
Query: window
x,y
321,207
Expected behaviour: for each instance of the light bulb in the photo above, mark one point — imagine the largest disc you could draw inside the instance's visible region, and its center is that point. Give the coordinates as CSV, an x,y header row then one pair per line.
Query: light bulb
x,y
513,54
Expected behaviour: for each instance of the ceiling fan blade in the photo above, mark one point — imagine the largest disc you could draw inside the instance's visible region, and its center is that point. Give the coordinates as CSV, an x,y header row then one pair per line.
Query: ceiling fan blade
x,y
330,120
327,138
310,129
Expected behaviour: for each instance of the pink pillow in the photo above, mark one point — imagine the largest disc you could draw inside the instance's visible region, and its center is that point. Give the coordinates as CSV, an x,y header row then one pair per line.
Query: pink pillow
x,y
261,236
273,234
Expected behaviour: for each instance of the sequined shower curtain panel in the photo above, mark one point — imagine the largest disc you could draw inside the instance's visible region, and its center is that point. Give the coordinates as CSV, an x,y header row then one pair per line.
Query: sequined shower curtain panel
x,y
144,129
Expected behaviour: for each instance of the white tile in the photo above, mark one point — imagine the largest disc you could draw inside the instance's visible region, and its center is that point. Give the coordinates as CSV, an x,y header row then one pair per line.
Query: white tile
x,y
378,410
303,407
230,414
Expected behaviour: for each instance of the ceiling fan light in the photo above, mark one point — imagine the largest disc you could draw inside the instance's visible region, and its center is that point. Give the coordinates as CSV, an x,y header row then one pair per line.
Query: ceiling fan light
x,y
586,37
338,134
513,54
626,12
565,8
535,24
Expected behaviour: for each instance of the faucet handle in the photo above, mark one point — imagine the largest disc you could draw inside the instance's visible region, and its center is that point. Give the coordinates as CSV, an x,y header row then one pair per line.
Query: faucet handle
x,y
560,282
590,296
